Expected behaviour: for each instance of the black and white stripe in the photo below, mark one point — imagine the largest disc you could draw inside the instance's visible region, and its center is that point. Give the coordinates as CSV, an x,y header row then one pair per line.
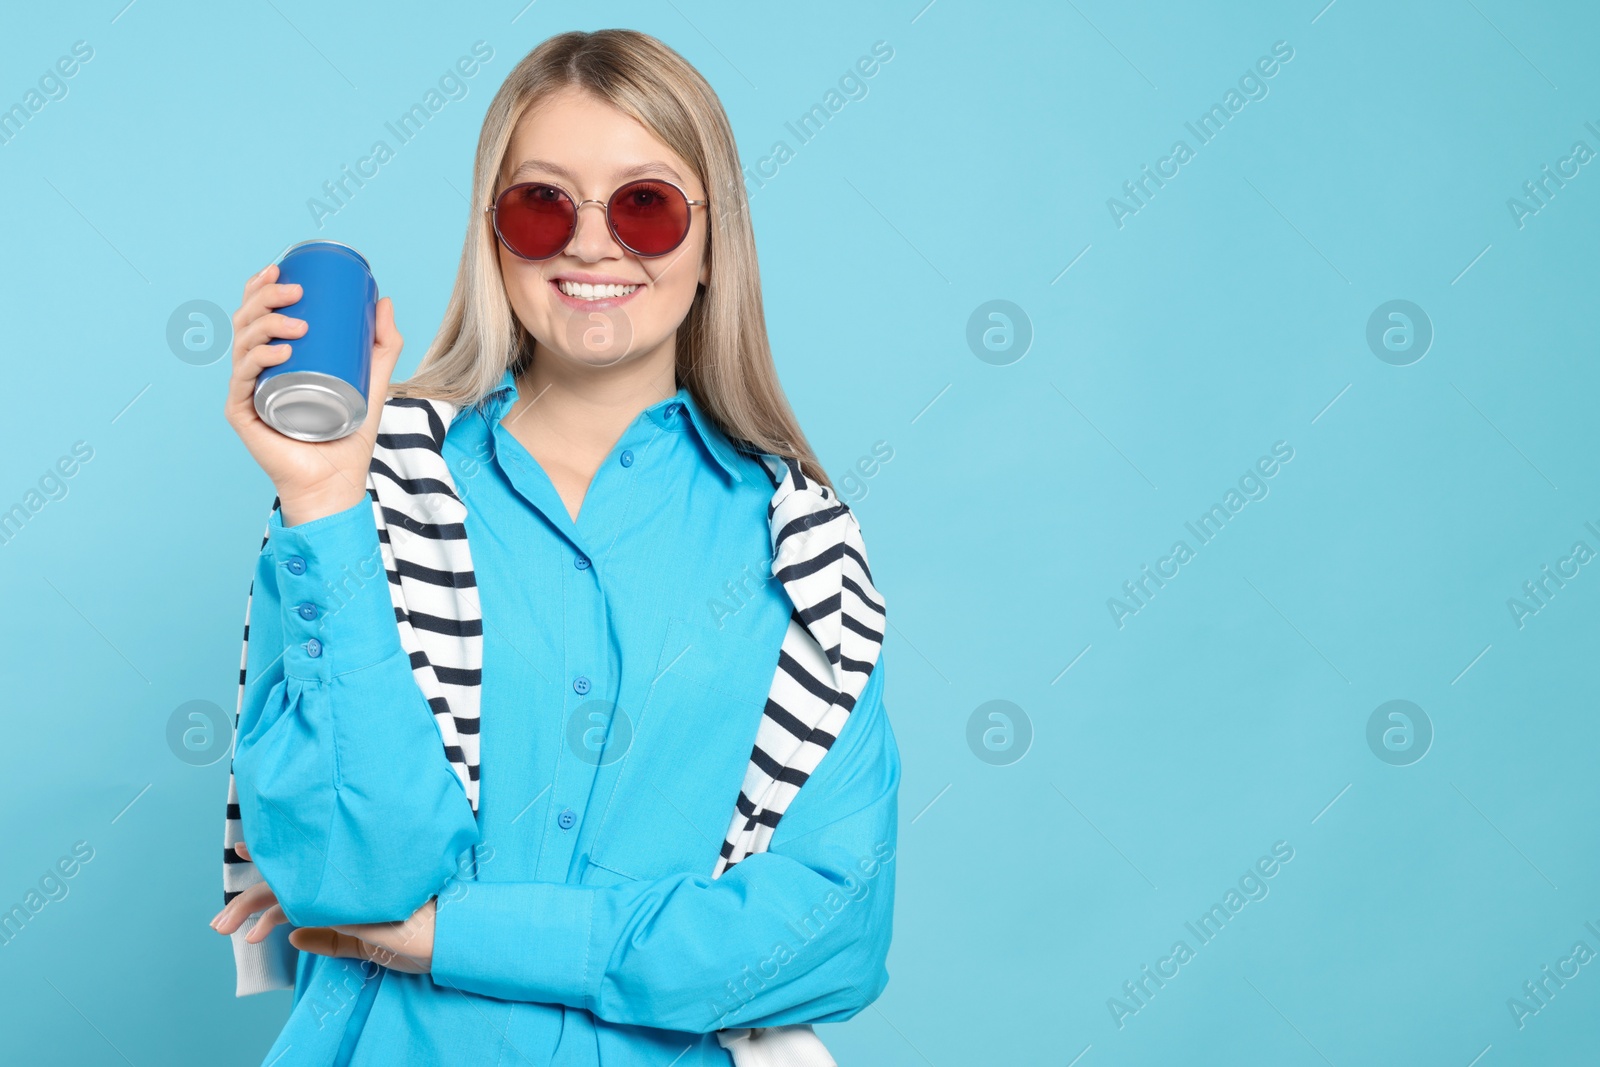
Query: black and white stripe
x,y
828,651
833,639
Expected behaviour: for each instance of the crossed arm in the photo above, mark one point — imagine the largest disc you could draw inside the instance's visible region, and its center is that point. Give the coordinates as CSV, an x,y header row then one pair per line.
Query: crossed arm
x,y
356,821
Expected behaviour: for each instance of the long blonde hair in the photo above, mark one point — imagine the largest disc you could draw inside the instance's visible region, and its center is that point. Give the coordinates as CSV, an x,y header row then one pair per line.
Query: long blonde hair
x,y
723,355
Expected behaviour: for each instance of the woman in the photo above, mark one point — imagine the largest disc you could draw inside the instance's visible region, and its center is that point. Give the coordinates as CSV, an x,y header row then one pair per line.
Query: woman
x,y
609,857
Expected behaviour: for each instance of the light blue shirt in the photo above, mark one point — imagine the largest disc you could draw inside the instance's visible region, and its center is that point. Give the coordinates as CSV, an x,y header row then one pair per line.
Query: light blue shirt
x,y
627,657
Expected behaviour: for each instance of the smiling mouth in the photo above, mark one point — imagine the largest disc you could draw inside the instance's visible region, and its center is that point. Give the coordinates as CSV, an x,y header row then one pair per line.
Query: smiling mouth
x,y
584,293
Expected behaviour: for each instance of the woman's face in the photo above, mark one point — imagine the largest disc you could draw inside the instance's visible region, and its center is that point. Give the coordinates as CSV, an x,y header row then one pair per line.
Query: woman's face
x,y
589,148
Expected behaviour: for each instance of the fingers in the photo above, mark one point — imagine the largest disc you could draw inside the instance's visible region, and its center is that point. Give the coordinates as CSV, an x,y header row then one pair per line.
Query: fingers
x,y
265,327
386,345
241,907
265,276
327,941
252,353
269,918
386,341
261,294
242,850
242,382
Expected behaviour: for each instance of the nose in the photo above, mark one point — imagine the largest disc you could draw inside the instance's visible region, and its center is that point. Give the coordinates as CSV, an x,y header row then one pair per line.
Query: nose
x,y
591,239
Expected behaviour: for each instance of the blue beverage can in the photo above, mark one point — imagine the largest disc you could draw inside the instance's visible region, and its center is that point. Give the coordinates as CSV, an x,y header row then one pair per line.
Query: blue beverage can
x,y
320,392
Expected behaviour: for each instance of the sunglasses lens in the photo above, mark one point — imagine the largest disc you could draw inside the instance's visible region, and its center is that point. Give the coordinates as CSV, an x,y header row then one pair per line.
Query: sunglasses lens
x,y
534,220
651,218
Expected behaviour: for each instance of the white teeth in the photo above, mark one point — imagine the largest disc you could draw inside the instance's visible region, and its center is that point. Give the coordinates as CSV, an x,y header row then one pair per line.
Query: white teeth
x,y
582,291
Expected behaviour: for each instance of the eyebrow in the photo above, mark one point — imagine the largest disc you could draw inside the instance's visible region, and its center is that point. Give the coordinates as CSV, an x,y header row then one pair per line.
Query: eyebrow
x,y
641,170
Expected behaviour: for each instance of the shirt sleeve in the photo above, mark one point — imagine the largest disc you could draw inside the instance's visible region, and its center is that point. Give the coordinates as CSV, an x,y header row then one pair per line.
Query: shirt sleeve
x,y
798,933
349,805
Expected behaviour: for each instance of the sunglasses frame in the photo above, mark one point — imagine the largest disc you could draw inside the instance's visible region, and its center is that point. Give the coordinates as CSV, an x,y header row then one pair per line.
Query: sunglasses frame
x,y
577,205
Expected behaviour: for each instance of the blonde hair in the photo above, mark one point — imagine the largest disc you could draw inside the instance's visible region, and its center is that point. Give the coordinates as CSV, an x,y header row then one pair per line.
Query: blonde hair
x,y
723,355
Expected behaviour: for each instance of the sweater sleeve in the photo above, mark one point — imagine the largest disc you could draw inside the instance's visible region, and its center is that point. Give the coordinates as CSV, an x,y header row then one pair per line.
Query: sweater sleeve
x,y
798,933
349,805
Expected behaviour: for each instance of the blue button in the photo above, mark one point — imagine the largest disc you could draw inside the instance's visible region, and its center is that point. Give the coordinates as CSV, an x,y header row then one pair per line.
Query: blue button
x,y
307,610
582,563
674,409
295,564
566,818
626,459
580,685
313,648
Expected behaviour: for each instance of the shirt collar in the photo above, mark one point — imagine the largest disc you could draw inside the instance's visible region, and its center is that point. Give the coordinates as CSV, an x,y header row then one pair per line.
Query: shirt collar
x,y
676,413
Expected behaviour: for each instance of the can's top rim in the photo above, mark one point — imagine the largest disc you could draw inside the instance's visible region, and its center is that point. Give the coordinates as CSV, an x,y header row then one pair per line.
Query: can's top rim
x,y
324,241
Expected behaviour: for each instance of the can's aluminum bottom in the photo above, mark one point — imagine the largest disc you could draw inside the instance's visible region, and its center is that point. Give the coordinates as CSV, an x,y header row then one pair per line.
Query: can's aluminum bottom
x,y
310,406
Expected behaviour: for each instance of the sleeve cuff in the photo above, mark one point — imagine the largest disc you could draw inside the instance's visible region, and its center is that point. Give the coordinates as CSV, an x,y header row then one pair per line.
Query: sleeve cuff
x,y
265,965
337,613
516,940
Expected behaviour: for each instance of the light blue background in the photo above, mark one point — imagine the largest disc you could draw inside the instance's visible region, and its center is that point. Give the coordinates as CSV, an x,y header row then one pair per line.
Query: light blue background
x,y
1228,314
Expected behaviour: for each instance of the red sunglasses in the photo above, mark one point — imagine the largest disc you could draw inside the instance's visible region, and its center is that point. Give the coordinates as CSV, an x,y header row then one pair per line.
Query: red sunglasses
x,y
536,220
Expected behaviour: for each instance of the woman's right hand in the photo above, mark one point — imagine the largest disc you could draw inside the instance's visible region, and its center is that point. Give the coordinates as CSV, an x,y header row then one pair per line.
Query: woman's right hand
x,y
313,478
